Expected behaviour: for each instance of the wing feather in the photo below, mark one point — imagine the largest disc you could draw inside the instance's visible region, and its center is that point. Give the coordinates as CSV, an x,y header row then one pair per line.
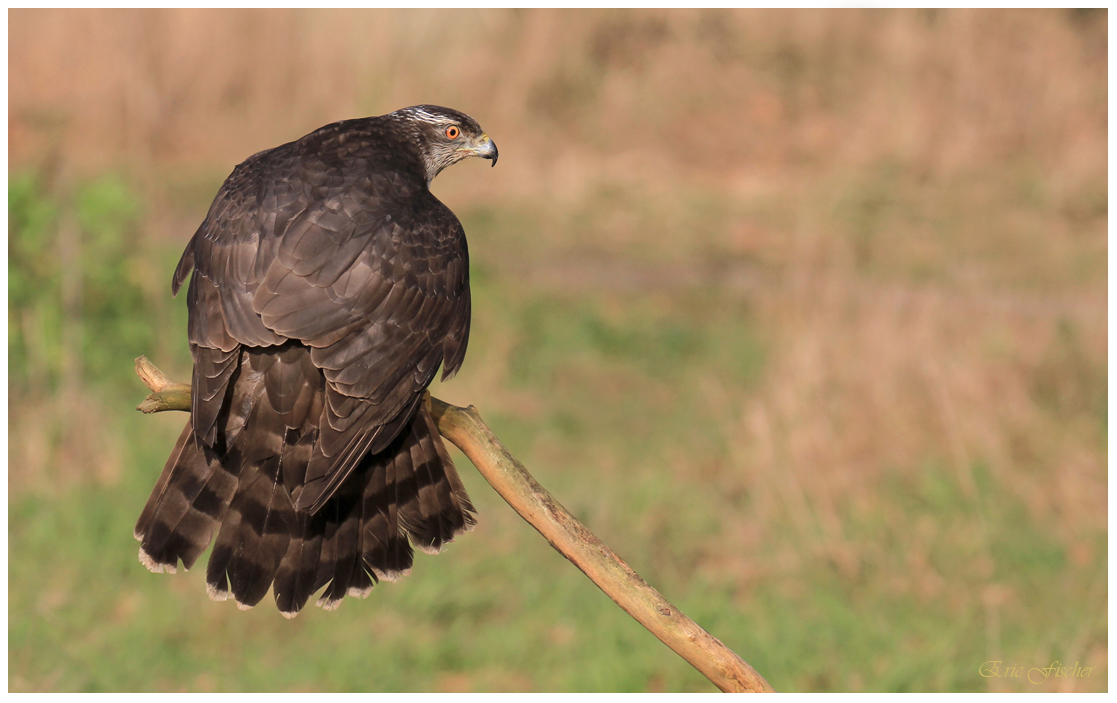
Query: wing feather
x,y
368,269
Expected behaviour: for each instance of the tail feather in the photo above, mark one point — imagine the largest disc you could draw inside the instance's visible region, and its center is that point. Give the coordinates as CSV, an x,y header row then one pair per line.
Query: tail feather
x,y
327,556
387,552
341,563
253,539
245,486
441,508
248,451
144,520
183,512
257,531
295,580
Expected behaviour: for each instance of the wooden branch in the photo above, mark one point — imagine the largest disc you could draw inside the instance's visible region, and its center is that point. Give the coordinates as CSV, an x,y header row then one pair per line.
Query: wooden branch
x,y
463,427
165,393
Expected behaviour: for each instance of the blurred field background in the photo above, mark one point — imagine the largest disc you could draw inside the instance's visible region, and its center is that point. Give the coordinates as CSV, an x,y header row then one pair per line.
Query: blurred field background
x,y
802,312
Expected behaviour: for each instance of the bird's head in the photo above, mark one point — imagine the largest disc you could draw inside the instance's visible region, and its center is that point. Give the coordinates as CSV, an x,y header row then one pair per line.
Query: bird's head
x,y
445,136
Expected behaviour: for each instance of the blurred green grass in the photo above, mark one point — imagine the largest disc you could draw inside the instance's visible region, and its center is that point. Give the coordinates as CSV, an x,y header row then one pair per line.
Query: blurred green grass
x,y
835,385
622,435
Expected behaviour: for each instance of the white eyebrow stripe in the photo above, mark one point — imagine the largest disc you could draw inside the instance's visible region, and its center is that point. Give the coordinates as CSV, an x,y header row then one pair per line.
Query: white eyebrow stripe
x,y
430,117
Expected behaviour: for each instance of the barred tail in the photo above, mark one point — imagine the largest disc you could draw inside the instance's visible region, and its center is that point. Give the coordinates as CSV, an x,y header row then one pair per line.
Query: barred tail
x,y
408,494
186,506
361,536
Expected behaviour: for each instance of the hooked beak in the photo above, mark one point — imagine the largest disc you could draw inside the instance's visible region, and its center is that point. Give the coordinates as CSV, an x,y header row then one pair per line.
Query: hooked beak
x,y
483,147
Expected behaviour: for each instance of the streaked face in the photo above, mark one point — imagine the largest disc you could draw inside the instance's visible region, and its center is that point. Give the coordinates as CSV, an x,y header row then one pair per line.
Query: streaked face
x,y
448,136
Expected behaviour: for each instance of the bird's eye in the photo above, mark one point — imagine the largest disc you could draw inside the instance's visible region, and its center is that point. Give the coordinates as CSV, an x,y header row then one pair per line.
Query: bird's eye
x,y
452,132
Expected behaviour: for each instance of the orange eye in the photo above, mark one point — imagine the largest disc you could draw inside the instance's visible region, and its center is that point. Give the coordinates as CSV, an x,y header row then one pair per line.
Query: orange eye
x,y
453,132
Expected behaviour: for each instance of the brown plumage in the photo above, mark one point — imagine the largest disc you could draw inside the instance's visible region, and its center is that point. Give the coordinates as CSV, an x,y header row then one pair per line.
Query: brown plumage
x,y
329,285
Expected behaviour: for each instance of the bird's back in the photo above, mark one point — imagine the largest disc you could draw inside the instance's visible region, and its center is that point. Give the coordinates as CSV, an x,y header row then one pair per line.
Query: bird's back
x,y
329,285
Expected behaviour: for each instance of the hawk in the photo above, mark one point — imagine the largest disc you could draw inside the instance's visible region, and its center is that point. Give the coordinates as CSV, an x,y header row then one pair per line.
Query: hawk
x,y
329,284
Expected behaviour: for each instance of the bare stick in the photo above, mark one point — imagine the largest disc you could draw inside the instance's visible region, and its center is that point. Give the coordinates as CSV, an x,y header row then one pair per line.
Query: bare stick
x,y
165,393
463,427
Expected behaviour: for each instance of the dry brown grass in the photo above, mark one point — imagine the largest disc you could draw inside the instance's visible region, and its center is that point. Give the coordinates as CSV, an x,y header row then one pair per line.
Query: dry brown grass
x,y
729,94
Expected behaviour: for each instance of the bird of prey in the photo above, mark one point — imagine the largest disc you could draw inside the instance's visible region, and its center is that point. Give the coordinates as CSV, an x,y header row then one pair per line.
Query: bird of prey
x,y
329,285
